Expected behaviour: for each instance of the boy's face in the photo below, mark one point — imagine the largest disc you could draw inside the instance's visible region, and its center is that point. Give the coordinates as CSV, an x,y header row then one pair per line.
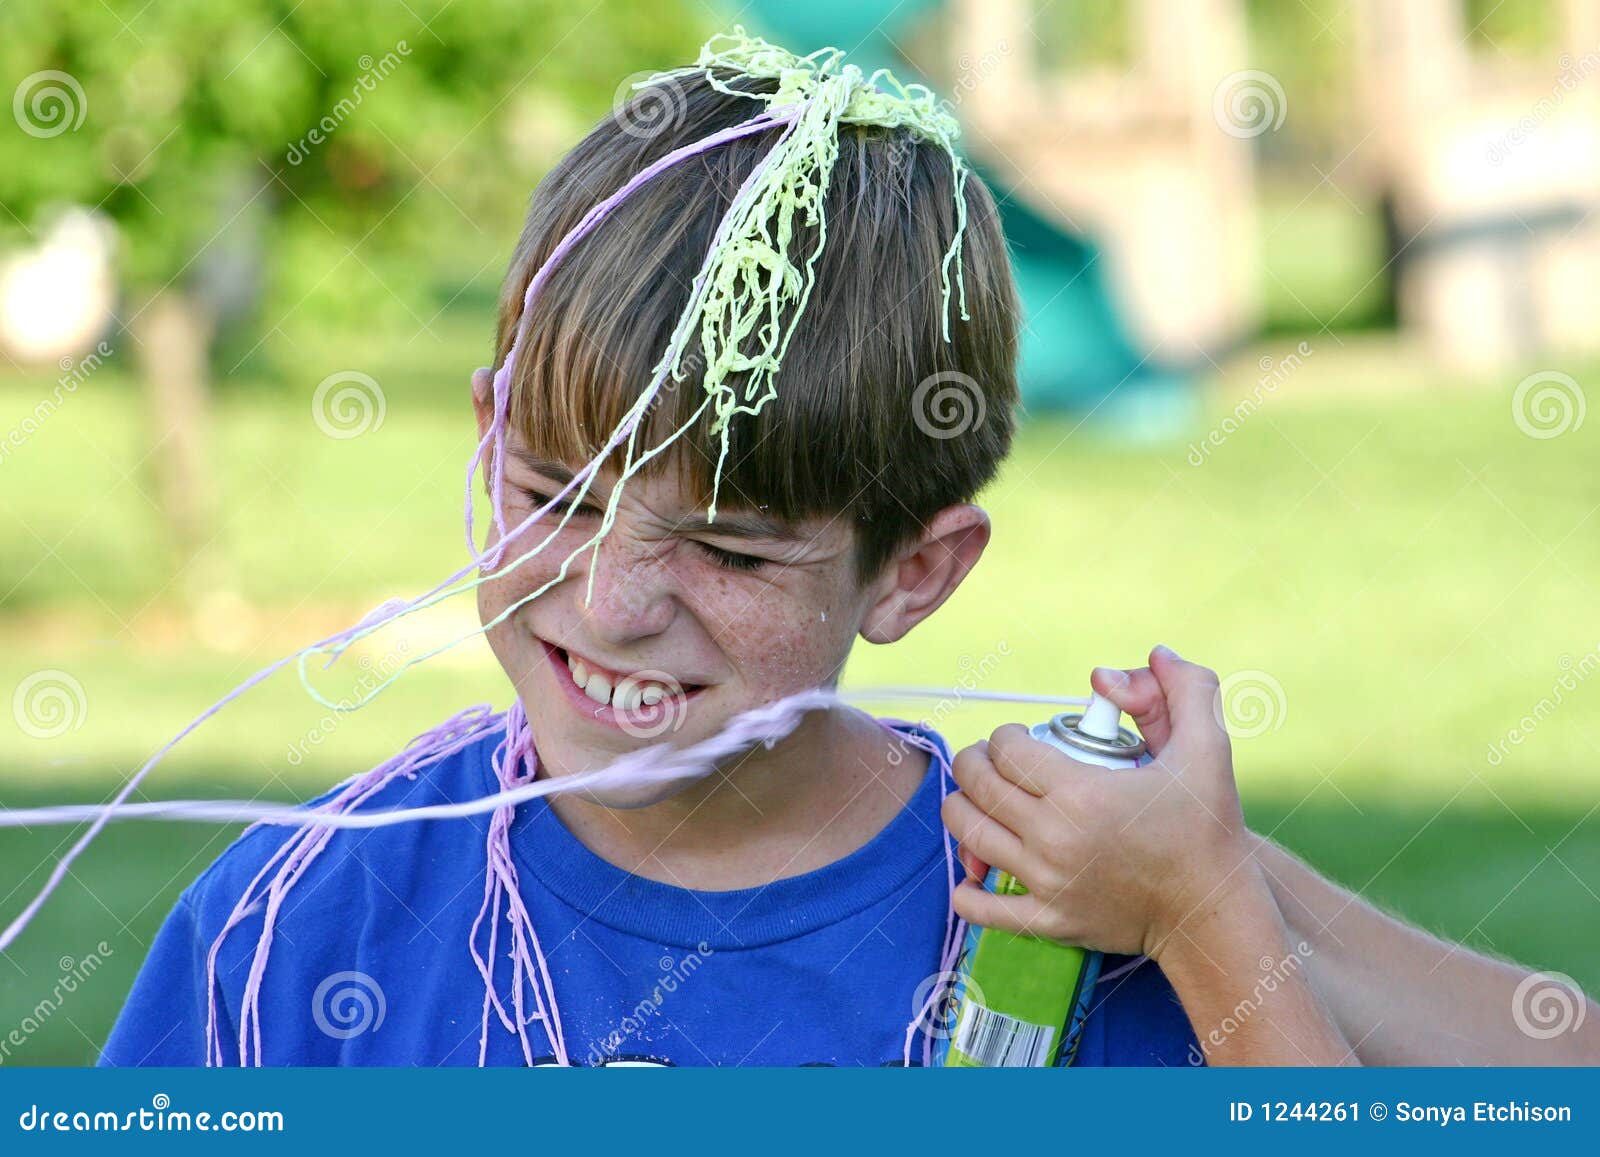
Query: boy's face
x,y
689,622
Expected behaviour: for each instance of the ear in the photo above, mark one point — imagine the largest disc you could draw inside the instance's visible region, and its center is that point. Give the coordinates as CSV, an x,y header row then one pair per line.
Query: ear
x,y
483,398
924,574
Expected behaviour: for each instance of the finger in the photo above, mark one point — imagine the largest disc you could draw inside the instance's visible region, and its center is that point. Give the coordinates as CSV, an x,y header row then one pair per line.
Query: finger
x,y
975,868
986,838
1194,703
1138,692
975,774
977,905
1029,764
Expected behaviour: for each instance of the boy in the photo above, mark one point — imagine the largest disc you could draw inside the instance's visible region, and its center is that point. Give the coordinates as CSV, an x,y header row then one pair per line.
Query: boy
x,y
790,908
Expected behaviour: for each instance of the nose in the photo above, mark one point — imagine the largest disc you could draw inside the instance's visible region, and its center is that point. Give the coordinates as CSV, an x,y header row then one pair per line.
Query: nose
x,y
632,595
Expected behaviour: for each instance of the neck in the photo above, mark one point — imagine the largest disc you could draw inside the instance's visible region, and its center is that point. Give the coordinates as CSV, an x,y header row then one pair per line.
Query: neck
x,y
812,799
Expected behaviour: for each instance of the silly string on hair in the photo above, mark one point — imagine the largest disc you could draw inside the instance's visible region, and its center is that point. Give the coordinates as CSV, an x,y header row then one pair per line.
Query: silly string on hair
x,y
744,306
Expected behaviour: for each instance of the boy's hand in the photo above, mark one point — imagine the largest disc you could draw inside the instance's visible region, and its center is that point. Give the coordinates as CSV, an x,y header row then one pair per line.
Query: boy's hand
x,y
1133,861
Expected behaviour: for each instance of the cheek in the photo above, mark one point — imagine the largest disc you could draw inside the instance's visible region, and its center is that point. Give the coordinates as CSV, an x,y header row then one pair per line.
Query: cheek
x,y
778,637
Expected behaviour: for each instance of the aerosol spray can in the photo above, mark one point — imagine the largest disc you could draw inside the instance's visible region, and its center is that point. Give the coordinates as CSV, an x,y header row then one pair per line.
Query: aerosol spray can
x,y
1021,1000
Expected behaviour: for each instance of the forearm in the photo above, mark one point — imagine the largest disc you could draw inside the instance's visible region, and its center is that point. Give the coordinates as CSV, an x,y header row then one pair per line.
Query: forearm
x,y
1404,997
1242,982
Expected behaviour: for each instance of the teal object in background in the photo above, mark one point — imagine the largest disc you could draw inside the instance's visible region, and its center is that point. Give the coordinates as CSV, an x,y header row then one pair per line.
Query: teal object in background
x,y
1077,353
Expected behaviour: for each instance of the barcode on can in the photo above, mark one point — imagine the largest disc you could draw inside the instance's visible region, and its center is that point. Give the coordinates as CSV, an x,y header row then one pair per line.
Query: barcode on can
x,y
995,1040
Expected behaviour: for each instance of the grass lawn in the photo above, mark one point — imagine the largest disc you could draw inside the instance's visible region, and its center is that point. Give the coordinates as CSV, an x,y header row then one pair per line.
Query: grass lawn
x,y
1395,582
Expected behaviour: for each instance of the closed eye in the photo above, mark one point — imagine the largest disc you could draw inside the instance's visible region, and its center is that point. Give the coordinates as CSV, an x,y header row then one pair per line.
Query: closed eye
x,y
731,560
539,501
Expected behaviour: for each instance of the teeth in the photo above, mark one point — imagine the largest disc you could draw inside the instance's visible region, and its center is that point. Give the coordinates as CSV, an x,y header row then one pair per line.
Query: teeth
x,y
598,688
629,694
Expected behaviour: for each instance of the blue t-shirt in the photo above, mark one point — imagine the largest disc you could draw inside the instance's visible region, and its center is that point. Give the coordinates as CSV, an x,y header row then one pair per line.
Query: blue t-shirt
x,y
370,962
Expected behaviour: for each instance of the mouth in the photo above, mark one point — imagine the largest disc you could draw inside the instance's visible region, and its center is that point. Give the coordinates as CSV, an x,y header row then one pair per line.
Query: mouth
x,y
643,703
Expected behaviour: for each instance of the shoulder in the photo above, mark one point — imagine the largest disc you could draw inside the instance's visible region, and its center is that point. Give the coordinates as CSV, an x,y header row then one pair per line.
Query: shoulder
x,y
333,862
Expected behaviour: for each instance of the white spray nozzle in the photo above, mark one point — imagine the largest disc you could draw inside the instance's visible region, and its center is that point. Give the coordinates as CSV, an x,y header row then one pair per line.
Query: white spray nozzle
x,y
1101,719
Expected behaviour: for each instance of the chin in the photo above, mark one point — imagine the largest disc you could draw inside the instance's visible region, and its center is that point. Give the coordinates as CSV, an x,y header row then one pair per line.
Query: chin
x,y
563,754
634,798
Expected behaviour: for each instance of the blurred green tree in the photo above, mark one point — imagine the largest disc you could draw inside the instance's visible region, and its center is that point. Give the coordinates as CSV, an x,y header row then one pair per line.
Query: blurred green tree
x,y
250,152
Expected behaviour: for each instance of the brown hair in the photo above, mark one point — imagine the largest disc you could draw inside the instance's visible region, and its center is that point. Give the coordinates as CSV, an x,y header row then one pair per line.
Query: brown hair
x,y
856,427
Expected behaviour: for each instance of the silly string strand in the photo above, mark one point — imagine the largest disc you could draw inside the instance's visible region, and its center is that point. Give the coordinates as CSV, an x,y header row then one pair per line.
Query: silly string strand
x,y
747,285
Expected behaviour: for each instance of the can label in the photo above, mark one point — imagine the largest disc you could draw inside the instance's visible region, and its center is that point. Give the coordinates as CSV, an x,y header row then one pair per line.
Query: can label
x,y
1022,1000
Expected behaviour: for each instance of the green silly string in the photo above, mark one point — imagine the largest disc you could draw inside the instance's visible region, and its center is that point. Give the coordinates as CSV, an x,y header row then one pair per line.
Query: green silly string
x,y
752,281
